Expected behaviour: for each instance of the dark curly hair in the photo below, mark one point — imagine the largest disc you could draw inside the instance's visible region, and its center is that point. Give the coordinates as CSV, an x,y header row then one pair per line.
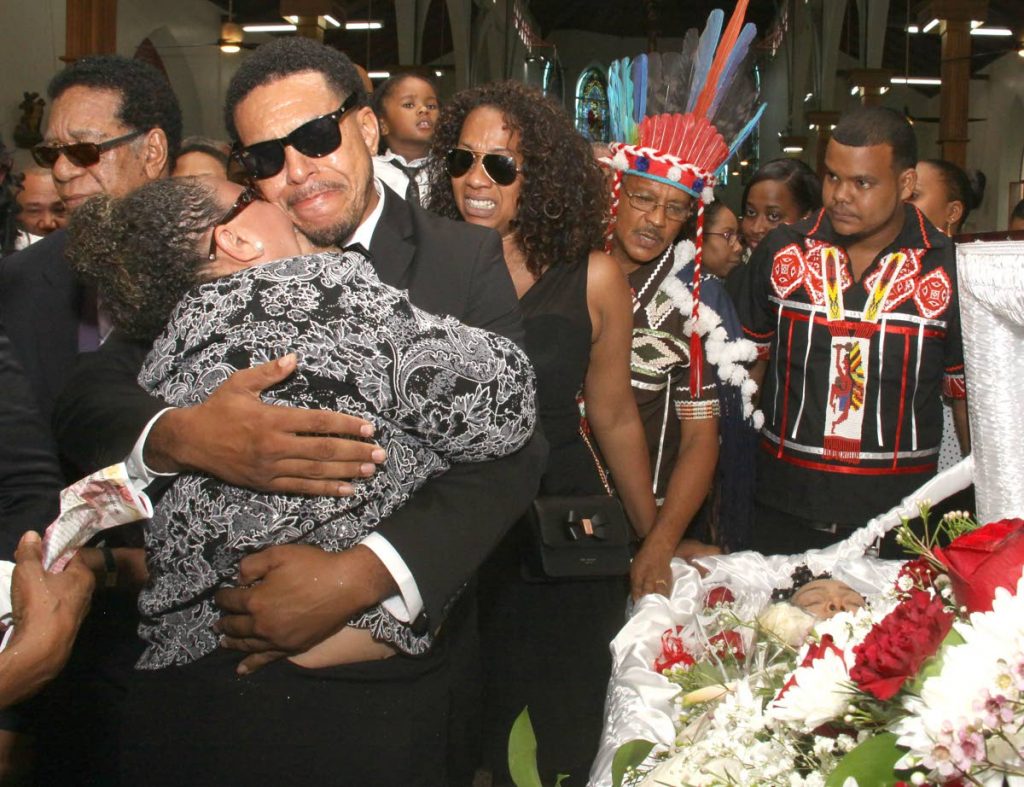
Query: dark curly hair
x,y
147,100
284,57
145,250
563,204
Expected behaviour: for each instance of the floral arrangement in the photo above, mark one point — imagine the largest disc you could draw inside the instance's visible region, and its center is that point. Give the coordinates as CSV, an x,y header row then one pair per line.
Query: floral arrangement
x,y
920,684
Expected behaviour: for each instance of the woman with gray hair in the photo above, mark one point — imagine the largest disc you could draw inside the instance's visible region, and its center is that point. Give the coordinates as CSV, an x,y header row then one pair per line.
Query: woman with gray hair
x,y
214,275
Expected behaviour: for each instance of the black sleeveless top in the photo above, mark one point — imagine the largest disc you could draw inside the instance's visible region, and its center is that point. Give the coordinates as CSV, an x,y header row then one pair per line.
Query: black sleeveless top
x,y
558,337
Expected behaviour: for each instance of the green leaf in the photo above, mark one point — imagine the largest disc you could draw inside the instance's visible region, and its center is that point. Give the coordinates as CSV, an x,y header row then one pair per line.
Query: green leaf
x,y
522,752
629,755
872,763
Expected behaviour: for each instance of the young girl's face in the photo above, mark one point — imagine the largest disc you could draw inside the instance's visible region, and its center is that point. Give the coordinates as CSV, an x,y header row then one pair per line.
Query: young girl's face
x,y
410,115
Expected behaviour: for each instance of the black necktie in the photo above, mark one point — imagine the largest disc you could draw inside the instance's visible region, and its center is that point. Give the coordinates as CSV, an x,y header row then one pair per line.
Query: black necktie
x,y
412,193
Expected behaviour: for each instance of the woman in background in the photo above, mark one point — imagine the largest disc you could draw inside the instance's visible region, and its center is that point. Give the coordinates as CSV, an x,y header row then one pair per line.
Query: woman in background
x,y
946,195
782,191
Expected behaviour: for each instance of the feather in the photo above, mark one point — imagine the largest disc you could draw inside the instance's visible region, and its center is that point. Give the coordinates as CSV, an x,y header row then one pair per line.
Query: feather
x,y
737,60
738,103
620,101
705,56
655,96
725,48
669,131
639,87
684,72
614,101
745,131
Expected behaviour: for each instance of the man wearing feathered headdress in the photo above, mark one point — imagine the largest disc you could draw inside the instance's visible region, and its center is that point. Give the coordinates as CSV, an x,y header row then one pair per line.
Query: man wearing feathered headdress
x,y
670,116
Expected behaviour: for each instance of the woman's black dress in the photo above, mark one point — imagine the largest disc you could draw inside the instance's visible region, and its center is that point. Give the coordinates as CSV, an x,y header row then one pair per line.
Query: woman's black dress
x,y
545,644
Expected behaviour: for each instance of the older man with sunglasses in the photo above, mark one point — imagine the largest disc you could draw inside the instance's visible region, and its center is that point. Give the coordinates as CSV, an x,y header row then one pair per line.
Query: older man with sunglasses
x,y
114,125
298,112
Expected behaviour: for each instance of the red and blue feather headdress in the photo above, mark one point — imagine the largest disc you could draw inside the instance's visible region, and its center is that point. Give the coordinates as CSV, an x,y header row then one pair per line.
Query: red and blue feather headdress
x,y
672,116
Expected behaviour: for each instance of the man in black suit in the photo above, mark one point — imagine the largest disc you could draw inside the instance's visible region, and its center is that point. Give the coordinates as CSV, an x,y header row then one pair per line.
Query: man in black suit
x,y
286,106
114,125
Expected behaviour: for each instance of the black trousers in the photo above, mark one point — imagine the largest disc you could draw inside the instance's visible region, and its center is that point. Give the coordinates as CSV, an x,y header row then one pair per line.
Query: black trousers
x,y
375,723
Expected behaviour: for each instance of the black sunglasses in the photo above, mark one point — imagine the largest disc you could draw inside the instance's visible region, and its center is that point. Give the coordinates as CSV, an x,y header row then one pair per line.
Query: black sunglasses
x,y
315,138
245,199
499,168
81,154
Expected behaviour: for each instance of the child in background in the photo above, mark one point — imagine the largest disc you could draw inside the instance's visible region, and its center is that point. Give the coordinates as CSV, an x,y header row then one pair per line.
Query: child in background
x,y
407,108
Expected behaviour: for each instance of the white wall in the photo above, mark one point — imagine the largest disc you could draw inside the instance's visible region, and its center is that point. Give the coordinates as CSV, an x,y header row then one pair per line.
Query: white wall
x,y
184,33
32,39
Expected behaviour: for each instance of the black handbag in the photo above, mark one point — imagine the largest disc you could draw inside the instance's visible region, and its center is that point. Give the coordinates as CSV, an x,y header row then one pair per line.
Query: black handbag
x,y
579,537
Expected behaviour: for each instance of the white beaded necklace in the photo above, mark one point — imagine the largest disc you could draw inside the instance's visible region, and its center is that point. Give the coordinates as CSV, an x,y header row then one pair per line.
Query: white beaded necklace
x,y
654,275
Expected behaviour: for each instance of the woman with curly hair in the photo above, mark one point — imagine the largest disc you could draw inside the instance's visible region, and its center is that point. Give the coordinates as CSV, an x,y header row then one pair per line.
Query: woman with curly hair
x,y
213,278
509,158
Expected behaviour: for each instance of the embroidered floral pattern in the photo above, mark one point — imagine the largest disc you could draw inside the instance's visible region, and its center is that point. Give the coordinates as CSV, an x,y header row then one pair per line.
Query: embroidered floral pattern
x,y
437,392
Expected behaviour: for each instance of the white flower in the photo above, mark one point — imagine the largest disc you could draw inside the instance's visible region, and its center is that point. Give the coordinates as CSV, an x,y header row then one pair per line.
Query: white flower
x,y
821,693
947,728
787,622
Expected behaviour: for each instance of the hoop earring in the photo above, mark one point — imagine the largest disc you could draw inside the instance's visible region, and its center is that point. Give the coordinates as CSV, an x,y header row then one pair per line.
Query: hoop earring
x,y
555,213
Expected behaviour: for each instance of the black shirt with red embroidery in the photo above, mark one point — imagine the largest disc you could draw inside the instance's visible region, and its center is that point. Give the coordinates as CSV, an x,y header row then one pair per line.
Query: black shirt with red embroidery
x,y
904,359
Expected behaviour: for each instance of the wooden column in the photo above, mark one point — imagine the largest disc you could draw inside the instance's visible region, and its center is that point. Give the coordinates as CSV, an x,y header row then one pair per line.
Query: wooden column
x,y
956,89
309,27
91,28
309,15
873,83
955,28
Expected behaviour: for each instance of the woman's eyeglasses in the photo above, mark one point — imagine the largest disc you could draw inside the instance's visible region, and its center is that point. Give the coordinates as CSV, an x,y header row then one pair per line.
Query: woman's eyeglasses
x,y
315,138
81,154
501,169
731,236
245,199
645,203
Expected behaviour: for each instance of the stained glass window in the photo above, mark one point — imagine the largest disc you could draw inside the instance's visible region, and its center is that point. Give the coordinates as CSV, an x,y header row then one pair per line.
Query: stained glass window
x,y
592,105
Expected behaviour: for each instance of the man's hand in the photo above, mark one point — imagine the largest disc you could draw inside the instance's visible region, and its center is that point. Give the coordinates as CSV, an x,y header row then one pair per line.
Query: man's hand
x,y
234,436
47,609
650,571
295,596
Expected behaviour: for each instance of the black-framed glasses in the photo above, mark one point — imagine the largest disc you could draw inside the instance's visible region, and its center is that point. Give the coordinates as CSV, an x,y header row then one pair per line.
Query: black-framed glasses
x,y
731,236
501,169
81,154
315,138
645,203
245,199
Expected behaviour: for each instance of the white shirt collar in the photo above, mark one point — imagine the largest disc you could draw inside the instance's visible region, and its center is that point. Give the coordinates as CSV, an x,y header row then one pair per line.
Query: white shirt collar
x,y
364,232
389,155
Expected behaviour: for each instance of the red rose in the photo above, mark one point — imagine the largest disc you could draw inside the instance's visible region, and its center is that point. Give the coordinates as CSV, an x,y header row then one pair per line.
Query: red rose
x,y
719,595
895,649
672,651
985,559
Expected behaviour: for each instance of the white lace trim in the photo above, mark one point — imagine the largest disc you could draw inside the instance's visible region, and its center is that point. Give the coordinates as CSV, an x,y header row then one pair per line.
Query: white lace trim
x,y
727,355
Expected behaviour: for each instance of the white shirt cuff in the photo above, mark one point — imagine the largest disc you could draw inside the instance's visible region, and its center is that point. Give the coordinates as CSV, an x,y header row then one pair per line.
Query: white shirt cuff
x,y
136,464
407,605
